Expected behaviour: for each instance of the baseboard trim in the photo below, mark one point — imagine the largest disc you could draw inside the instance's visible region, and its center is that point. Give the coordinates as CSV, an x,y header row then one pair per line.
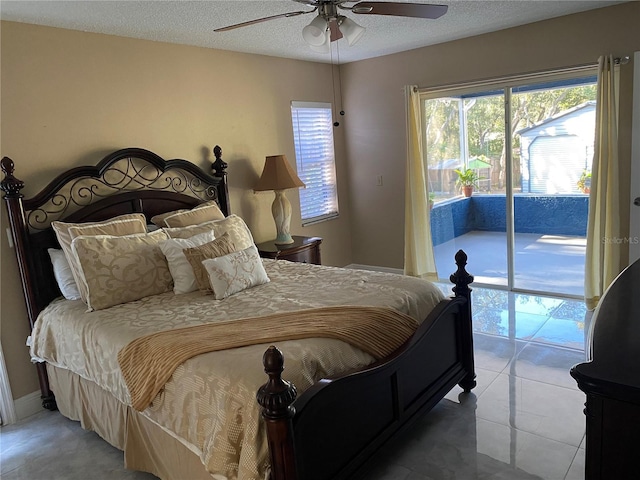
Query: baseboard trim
x,y
374,268
28,405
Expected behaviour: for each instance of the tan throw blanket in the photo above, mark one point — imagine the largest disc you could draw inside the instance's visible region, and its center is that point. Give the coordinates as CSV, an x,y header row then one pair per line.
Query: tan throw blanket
x,y
148,362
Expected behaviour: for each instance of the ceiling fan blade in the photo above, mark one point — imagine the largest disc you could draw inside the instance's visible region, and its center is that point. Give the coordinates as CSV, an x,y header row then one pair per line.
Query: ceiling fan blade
x,y
260,20
418,10
336,34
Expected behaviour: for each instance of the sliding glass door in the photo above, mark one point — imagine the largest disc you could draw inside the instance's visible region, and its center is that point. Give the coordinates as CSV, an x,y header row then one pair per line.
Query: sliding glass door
x,y
465,136
526,148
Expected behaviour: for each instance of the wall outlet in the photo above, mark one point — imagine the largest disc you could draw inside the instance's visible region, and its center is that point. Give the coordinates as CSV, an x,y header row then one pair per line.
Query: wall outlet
x,y
379,181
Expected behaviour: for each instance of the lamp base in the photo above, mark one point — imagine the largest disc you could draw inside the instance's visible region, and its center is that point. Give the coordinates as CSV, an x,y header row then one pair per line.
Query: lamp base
x,y
283,240
281,209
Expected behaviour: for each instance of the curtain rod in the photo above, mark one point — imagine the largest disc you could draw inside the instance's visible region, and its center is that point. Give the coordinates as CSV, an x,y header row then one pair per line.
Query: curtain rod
x,y
510,78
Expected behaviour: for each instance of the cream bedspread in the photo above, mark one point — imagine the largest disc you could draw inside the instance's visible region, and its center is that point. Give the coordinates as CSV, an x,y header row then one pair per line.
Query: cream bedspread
x,y
209,402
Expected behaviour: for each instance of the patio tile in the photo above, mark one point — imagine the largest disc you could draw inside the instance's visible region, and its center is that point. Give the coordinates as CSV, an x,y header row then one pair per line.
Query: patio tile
x,y
570,333
536,305
484,378
571,309
547,364
520,325
487,297
553,264
576,472
494,353
528,456
550,411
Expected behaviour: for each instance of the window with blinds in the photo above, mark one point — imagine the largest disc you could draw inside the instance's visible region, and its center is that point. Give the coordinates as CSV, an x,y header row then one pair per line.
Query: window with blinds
x,y
315,159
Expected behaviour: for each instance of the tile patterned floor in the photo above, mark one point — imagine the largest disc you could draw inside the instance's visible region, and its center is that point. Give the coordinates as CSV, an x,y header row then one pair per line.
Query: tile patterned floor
x,y
524,420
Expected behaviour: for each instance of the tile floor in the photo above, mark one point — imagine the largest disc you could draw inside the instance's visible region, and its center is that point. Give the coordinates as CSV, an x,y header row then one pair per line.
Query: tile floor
x,y
524,420
541,262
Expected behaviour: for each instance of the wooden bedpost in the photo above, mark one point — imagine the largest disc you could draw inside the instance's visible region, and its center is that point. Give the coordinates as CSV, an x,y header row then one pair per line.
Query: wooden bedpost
x,y
11,187
219,168
461,278
275,397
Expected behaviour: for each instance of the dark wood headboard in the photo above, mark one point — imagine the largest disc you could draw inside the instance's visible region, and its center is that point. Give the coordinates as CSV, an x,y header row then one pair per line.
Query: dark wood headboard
x,y
131,180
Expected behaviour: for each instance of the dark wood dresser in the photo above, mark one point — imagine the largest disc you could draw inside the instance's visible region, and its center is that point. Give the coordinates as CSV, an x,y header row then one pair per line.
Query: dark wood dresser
x,y
303,250
611,381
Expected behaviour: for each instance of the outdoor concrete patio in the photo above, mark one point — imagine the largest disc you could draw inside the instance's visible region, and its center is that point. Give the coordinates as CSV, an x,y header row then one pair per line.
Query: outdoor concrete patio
x,y
544,263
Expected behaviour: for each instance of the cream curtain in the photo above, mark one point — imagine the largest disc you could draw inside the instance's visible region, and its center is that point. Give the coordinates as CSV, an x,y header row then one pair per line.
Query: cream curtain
x,y
604,239
419,260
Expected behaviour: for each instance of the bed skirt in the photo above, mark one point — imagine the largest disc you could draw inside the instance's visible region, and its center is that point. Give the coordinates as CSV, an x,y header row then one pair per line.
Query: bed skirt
x,y
147,447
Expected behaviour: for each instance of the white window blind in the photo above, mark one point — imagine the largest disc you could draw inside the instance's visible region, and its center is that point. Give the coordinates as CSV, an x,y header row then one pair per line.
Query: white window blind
x,y
315,159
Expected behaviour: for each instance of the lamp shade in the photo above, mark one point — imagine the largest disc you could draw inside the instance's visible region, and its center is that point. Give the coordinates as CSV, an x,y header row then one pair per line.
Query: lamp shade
x,y
351,30
313,33
277,175
325,47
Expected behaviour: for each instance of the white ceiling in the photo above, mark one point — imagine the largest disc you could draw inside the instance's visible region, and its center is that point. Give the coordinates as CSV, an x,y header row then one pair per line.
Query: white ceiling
x,y
192,23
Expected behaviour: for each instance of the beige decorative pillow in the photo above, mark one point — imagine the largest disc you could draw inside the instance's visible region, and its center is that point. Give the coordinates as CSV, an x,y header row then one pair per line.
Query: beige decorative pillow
x,y
118,270
235,272
233,225
200,214
128,224
196,255
184,280
159,219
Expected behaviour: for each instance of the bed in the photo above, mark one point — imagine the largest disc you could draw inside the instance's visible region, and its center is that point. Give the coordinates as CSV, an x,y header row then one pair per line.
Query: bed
x,y
229,411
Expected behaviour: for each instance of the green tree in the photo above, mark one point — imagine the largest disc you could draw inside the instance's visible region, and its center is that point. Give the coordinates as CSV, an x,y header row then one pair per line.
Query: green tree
x,y
485,124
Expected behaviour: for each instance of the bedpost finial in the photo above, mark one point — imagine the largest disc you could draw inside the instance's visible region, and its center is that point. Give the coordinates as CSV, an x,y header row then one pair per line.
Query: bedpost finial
x,y
461,258
461,277
273,361
7,165
219,166
276,396
10,185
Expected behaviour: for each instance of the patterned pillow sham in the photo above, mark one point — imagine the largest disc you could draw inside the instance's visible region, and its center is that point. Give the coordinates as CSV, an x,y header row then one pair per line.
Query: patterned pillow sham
x,y
233,225
122,269
206,212
184,280
196,255
128,224
235,272
184,216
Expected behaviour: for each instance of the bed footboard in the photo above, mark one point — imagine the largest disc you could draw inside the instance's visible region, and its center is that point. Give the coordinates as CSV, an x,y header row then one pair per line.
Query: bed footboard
x,y
336,426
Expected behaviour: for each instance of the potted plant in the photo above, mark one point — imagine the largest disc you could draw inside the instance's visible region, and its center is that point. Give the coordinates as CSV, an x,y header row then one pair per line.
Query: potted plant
x,y
584,184
467,179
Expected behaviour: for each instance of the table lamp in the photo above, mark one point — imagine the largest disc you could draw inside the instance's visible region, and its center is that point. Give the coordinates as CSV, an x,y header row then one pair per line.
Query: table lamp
x,y
278,176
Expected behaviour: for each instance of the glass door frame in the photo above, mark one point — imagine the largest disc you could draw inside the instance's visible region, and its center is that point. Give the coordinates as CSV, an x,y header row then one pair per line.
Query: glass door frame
x,y
506,84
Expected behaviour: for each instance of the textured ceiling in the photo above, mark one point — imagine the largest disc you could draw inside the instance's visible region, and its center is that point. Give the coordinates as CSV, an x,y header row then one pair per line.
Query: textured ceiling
x,y
192,23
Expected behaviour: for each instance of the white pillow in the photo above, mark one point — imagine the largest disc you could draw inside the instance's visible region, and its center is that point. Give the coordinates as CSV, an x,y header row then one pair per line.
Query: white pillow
x,y
184,280
235,272
64,275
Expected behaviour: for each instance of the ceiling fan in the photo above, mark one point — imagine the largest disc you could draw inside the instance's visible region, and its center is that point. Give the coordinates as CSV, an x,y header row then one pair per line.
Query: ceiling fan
x,y
329,25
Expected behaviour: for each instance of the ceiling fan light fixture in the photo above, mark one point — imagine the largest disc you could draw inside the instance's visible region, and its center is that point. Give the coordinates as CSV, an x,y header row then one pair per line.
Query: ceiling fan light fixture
x,y
324,47
351,30
315,33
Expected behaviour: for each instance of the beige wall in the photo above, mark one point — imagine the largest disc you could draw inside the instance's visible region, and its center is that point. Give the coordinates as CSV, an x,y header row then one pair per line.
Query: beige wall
x,y
68,98
375,110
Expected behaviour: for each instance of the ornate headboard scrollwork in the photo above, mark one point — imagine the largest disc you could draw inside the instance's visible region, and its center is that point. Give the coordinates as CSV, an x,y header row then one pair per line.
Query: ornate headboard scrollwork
x,y
131,180
127,170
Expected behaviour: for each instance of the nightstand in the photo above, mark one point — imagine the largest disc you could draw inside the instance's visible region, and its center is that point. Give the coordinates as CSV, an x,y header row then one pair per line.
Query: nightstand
x,y
303,249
